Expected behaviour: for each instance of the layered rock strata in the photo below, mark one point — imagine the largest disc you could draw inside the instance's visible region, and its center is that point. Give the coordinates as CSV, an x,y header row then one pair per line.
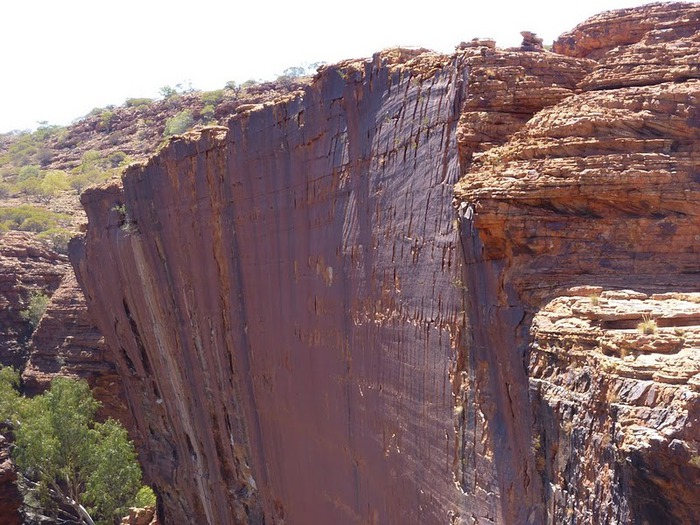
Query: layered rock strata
x,y
600,190
26,266
67,343
615,377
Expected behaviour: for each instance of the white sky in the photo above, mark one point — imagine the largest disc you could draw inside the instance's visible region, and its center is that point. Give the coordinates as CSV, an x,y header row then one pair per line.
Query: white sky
x,y
63,58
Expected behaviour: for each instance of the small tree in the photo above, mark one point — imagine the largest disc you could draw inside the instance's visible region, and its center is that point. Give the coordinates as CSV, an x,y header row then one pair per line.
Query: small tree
x,y
179,123
87,470
36,307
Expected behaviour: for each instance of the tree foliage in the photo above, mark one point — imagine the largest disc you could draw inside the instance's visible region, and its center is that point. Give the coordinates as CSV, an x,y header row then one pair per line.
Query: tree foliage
x,y
81,469
36,307
179,123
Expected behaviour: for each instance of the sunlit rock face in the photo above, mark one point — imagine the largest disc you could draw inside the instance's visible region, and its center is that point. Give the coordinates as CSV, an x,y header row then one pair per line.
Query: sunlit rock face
x,y
587,220
314,324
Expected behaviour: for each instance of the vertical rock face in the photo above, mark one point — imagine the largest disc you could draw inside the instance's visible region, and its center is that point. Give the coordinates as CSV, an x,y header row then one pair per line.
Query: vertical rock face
x,y
10,497
280,295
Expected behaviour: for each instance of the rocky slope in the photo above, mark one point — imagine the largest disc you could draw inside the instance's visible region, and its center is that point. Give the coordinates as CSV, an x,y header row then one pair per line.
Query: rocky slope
x,y
27,266
308,332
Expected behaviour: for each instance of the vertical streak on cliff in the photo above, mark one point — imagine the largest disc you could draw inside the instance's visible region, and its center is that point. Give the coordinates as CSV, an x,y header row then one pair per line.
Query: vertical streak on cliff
x,y
342,220
496,415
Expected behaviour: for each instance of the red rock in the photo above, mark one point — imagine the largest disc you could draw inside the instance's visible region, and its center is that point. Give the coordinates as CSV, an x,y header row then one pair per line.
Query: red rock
x,y
598,194
303,338
67,343
282,303
26,265
602,33
145,516
10,498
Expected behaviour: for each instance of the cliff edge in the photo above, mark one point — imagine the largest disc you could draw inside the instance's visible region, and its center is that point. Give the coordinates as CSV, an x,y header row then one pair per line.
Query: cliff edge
x,y
370,301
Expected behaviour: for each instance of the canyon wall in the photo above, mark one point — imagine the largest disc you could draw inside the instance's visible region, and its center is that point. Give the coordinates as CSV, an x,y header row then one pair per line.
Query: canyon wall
x,y
588,218
309,329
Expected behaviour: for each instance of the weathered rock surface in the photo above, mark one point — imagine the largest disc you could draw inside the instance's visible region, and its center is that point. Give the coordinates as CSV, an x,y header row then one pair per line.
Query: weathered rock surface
x,y
26,266
146,516
280,297
602,33
506,88
10,497
617,409
599,191
307,335
67,343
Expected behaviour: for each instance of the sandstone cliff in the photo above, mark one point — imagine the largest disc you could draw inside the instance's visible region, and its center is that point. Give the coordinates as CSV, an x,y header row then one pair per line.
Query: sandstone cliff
x,y
308,332
27,266
601,190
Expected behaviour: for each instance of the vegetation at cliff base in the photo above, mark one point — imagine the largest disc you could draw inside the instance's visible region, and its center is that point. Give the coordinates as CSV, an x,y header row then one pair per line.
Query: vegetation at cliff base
x,y
77,469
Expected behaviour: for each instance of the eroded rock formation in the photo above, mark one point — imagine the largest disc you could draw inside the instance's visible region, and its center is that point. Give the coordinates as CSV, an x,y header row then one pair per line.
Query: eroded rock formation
x,y
599,190
308,332
67,343
26,266
288,337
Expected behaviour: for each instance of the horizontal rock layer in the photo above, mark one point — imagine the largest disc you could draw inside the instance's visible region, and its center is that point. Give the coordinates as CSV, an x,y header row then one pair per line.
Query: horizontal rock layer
x,y
67,343
26,266
599,192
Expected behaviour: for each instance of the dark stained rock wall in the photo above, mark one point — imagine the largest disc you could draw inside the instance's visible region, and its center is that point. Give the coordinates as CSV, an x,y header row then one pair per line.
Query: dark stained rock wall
x,y
10,497
281,299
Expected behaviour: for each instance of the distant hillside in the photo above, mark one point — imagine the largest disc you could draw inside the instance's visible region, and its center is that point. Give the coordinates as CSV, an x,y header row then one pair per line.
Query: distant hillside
x,y
42,173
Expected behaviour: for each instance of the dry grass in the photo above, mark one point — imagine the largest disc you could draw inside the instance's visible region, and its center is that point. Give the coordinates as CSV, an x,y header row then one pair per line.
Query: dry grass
x,y
648,325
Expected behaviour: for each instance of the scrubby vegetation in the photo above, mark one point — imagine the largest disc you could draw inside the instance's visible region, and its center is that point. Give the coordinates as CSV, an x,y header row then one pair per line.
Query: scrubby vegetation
x,y
36,307
31,219
179,123
43,172
77,470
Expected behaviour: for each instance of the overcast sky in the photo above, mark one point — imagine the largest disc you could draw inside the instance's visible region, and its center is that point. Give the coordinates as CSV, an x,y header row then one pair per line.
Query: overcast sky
x,y
63,58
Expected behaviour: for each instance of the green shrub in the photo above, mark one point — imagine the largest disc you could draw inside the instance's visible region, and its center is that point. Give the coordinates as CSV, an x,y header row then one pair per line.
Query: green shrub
x,y
36,307
138,102
118,158
74,462
57,238
207,113
106,121
52,184
145,497
179,123
32,218
9,395
212,97
167,92
30,171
